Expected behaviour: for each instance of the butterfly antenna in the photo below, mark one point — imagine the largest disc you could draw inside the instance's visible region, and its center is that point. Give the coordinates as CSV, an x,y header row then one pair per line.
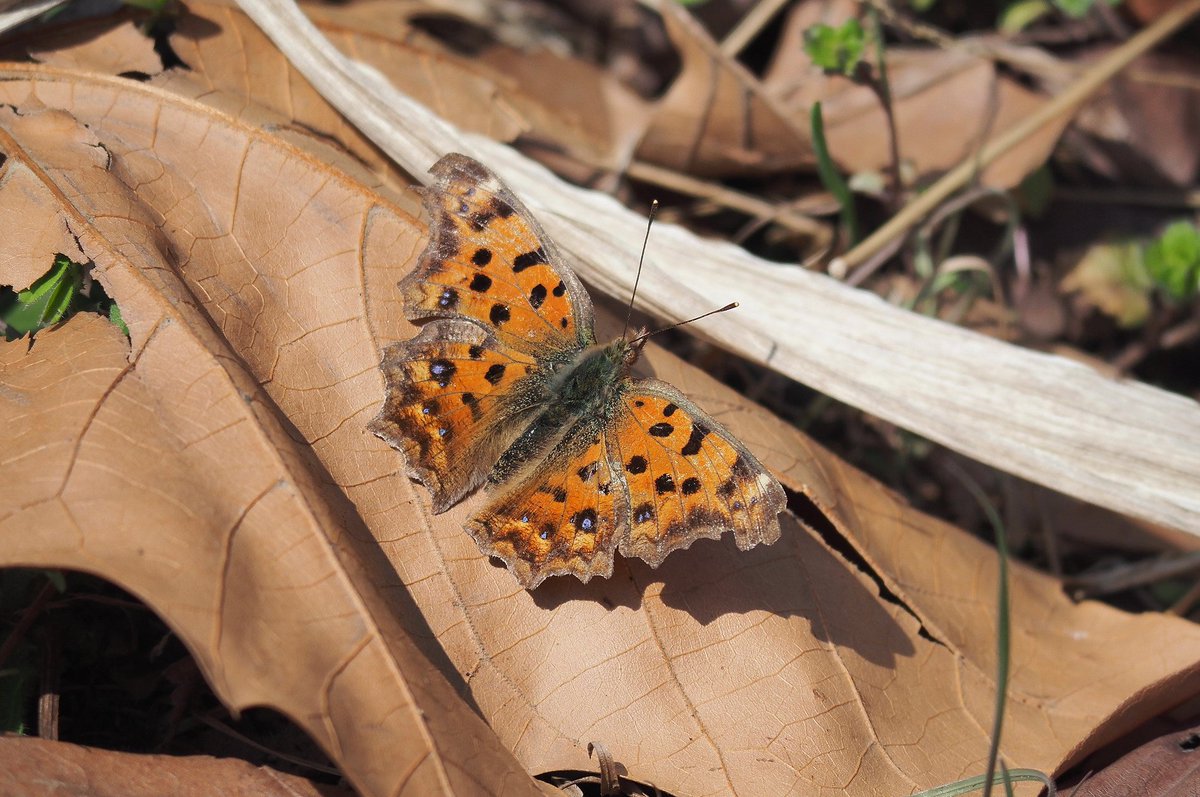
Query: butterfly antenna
x,y
643,336
641,259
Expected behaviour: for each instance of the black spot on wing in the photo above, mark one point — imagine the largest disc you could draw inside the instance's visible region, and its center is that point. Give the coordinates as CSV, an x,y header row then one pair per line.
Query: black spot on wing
x,y
588,471
482,256
441,371
664,484
480,283
661,429
644,513
585,521
559,289
524,261
472,403
669,410
499,314
690,486
692,446
495,373
449,299
537,296
475,352
636,465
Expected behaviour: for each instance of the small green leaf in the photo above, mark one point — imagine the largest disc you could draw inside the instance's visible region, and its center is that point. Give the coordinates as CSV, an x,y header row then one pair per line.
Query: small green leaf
x,y
1174,260
1079,8
1019,15
837,50
114,315
56,578
46,301
1035,191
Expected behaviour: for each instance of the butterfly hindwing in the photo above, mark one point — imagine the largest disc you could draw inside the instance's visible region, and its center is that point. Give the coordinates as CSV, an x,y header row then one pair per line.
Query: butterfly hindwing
x,y
563,515
489,261
454,403
687,476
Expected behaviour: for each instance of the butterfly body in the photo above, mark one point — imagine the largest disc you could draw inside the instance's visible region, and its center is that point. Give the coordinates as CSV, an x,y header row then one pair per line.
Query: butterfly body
x,y
507,386
583,389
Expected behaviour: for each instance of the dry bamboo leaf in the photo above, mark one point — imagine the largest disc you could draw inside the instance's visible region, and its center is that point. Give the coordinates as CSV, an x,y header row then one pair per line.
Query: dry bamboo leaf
x,y
40,768
764,672
167,469
716,120
13,14
1038,416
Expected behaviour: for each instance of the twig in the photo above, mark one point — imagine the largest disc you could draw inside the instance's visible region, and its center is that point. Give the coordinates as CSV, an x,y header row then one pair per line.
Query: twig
x,y
221,727
1144,197
726,197
749,26
49,692
1066,102
879,84
1186,602
1136,574
27,617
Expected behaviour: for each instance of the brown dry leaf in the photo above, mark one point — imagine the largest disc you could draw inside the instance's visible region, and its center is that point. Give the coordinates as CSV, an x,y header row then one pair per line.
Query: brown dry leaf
x,y
259,284
1163,767
495,94
167,468
112,45
556,103
716,119
1145,121
1111,278
924,83
42,768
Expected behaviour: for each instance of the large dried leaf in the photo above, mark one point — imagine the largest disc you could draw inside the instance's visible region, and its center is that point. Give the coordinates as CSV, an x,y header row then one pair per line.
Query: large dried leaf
x,y
223,473
167,469
42,768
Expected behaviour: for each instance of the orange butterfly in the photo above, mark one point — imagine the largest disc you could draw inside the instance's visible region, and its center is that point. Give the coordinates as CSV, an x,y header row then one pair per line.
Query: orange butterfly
x,y
508,385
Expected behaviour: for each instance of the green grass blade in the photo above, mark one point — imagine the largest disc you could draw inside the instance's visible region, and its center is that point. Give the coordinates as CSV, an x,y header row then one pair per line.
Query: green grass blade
x,y
831,178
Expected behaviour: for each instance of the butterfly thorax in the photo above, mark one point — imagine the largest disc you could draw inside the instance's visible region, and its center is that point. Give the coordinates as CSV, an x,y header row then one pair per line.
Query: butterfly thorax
x,y
579,391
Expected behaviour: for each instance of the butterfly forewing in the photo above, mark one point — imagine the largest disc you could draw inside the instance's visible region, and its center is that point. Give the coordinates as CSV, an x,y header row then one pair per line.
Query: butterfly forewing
x,y
453,405
563,516
489,261
687,476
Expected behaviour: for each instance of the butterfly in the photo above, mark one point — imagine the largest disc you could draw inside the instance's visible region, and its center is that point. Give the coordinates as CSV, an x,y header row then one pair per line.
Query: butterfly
x,y
507,385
